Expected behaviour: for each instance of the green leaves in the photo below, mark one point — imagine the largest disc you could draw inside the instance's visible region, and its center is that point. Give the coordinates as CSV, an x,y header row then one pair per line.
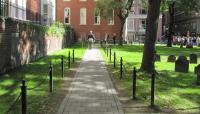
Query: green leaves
x,y
57,29
186,6
122,7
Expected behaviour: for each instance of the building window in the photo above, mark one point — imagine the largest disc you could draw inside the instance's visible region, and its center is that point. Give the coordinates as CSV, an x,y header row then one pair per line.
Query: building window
x,y
97,17
83,16
45,11
111,18
130,24
143,11
18,9
142,24
67,15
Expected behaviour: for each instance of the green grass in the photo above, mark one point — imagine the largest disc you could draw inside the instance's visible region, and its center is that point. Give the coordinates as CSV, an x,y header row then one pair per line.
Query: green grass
x,y
176,91
35,73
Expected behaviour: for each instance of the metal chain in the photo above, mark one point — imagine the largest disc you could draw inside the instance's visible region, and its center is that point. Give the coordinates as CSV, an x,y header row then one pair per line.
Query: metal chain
x,y
13,104
40,84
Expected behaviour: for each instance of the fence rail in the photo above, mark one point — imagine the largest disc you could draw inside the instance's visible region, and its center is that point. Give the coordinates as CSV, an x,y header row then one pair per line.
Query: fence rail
x,y
22,96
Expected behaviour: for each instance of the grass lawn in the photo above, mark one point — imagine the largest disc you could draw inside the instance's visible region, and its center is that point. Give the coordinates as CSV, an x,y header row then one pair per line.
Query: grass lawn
x,y
36,74
174,91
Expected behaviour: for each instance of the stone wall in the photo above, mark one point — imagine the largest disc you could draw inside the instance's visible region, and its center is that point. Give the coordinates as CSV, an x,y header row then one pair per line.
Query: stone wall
x,y
21,43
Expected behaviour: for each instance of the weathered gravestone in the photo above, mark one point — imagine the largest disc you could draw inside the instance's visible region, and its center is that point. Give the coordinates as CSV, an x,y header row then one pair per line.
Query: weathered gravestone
x,y
171,58
182,64
195,69
198,74
157,57
193,58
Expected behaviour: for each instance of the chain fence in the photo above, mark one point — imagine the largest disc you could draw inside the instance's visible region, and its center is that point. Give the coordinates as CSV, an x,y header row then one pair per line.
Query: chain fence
x,y
16,103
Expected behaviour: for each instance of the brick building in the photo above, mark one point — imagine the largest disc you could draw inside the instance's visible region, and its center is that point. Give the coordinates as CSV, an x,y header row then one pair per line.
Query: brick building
x,y
83,17
33,10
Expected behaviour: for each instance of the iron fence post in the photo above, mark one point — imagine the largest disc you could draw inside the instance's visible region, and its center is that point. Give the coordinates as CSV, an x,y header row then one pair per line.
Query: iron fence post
x,y
73,54
121,68
152,89
114,60
23,97
51,78
110,54
62,65
69,60
134,83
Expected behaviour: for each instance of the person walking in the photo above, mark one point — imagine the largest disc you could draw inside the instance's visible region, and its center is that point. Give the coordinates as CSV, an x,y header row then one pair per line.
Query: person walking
x,y
198,41
114,38
91,39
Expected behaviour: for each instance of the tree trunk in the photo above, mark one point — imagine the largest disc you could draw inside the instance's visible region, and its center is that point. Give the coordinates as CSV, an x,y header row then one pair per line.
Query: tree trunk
x,y
121,33
171,24
151,33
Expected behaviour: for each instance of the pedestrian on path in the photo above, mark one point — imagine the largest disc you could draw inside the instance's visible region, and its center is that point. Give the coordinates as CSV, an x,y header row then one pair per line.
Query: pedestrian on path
x,y
91,39
92,91
114,38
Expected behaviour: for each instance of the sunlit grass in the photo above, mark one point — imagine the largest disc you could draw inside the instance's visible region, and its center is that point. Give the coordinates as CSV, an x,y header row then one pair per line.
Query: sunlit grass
x,y
173,90
35,73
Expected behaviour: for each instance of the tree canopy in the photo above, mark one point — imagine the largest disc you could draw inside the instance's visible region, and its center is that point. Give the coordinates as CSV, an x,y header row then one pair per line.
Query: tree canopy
x,y
182,5
122,9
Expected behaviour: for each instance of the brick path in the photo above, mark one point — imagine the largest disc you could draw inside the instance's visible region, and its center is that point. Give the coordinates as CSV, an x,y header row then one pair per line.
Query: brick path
x,y
91,91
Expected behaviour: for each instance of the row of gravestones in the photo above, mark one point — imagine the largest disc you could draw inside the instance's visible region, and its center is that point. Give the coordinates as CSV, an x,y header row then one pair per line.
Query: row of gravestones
x,y
182,64
172,58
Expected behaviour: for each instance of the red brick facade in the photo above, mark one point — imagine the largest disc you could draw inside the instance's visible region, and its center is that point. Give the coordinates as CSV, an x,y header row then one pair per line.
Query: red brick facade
x,y
33,10
83,30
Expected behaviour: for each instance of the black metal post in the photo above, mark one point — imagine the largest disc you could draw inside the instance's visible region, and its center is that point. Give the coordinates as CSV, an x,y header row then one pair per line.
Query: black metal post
x,y
107,51
73,54
121,68
23,97
152,88
134,83
51,78
62,66
69,60
114,60
110,54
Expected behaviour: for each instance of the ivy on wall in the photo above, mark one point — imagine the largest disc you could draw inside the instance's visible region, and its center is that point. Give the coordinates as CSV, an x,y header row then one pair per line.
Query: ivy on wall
x,y
55,30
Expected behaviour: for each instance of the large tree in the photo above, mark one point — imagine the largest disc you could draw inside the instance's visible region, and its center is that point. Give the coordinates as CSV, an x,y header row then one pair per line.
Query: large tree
x,y
151,33
122,9
186,6
152,23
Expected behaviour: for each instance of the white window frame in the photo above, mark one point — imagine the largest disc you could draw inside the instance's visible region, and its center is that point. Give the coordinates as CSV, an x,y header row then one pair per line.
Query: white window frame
x,y
18,9
130,24
97,17
140,24
82,20
67,8
112,22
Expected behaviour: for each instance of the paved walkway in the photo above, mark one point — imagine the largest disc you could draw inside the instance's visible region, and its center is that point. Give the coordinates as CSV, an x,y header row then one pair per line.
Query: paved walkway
x,y
91,91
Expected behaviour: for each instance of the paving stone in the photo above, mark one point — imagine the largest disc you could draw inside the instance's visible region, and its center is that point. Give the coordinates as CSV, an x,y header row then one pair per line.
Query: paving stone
x,y
91,91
